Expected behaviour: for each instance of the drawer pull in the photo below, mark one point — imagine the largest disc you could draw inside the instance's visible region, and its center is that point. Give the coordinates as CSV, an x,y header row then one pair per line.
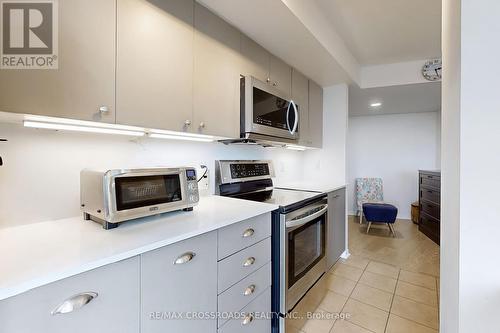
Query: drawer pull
x,y
249,290
249,262
74,303
248,319
184,258
249,232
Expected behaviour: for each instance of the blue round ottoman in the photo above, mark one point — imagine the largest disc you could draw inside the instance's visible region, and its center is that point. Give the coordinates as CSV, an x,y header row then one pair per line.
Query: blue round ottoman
x,y
380,213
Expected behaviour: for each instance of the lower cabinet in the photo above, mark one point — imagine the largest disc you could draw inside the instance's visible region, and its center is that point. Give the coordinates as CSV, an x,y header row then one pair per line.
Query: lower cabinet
x,y
180,279
105,299
177,288
336,230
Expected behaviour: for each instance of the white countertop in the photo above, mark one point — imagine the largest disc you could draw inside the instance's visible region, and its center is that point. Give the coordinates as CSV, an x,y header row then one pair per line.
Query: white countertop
x,y
305,185
37,254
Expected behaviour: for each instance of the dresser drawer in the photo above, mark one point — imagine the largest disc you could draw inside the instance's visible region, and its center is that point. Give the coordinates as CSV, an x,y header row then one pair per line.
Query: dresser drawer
x,y
255,317
430,180
430,227
238,236
241,264
430,195
430,208
238,296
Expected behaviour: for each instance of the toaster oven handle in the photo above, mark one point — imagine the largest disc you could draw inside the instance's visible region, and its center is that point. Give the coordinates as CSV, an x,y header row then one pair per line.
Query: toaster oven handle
x,y
288,118
308,218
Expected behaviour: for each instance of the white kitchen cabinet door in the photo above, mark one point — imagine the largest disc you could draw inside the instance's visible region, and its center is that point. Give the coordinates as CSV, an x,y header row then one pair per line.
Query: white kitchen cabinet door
x,y
280,75
300,95
180,278
85,79
112,292
154,79
315,115
255,59
336,231
217,64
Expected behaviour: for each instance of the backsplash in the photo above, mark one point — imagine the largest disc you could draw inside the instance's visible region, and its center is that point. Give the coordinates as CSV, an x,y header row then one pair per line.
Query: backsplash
x,y
40,178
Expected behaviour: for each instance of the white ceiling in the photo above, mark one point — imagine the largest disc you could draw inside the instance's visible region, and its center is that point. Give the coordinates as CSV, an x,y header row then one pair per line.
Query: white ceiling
x,y
387,31
422,97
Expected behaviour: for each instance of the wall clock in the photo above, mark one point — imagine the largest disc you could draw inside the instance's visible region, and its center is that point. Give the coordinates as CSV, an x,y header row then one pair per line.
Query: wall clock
x,y
432,70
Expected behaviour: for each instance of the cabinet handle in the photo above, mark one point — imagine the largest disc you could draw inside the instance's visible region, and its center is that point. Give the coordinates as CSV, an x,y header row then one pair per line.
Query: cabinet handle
x,y
275,84
103,109
247,233
202,125
248,319
74,303
249,262
184,258
268,80
249,290
187,122
336,196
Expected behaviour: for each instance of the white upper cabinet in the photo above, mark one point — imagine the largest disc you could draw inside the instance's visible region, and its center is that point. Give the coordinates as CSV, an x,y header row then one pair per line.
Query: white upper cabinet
x,y
85,78
217,64
315,115
154,79
280,75
300,95
256,59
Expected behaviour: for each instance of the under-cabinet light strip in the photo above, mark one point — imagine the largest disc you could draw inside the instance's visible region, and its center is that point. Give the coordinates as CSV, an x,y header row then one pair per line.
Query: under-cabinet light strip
x,y
293,147
180,137
77,128
86,126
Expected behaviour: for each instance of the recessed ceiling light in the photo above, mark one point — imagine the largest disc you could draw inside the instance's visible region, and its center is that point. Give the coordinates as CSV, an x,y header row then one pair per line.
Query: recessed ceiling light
x,y
376,105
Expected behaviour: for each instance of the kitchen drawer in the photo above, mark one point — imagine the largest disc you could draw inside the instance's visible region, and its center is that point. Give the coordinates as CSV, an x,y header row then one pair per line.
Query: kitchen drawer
x,y
430,195
115,309
430,180
430,208
238,296
241,264
259,310
243,234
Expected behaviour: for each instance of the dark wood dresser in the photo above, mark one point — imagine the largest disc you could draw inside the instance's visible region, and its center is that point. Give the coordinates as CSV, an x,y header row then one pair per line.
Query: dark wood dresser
x,y
430,203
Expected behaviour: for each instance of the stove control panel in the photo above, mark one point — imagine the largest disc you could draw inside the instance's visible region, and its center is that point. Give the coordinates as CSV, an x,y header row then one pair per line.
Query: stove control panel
x,y
246,170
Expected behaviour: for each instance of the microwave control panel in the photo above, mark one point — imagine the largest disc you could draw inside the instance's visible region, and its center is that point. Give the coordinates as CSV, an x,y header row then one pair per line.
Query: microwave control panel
x,y
192,186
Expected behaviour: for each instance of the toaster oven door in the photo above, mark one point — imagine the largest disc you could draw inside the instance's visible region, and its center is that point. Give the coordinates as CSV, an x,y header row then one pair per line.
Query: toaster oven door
x,y
138,194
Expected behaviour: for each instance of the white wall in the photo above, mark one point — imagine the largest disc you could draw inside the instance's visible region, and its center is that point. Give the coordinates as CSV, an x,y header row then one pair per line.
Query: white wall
x,y
470,215
394,148
40,177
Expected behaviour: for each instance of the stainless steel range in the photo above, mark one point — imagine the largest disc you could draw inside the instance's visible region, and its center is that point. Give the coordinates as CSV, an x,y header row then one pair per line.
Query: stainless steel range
x,y
299,231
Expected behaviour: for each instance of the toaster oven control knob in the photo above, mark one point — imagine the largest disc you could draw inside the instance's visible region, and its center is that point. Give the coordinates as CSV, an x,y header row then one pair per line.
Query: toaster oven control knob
x,y
192,186
193,198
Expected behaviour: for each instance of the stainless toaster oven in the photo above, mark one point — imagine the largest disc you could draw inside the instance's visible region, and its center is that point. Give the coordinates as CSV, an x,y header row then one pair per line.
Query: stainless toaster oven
x,y
110,197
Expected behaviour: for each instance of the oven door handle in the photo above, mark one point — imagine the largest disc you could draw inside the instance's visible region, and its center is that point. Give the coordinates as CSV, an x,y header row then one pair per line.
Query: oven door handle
x,y
309,218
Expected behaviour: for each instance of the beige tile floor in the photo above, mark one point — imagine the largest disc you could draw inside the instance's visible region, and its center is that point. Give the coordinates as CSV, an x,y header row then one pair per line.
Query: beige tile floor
x,y
388,285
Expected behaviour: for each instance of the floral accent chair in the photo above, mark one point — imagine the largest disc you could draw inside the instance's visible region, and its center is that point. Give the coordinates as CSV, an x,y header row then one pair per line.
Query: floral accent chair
x,y
368,190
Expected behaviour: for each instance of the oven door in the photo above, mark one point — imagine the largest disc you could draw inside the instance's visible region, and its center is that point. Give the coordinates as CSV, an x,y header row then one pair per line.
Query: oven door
x,y
267,111
305,242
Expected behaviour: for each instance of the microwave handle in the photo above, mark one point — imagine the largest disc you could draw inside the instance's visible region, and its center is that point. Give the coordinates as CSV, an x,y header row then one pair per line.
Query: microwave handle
x,y
296,123
288,118
304,220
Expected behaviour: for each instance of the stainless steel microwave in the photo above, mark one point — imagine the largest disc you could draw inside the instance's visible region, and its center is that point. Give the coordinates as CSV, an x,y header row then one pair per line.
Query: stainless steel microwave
x,y
110,197
267,113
